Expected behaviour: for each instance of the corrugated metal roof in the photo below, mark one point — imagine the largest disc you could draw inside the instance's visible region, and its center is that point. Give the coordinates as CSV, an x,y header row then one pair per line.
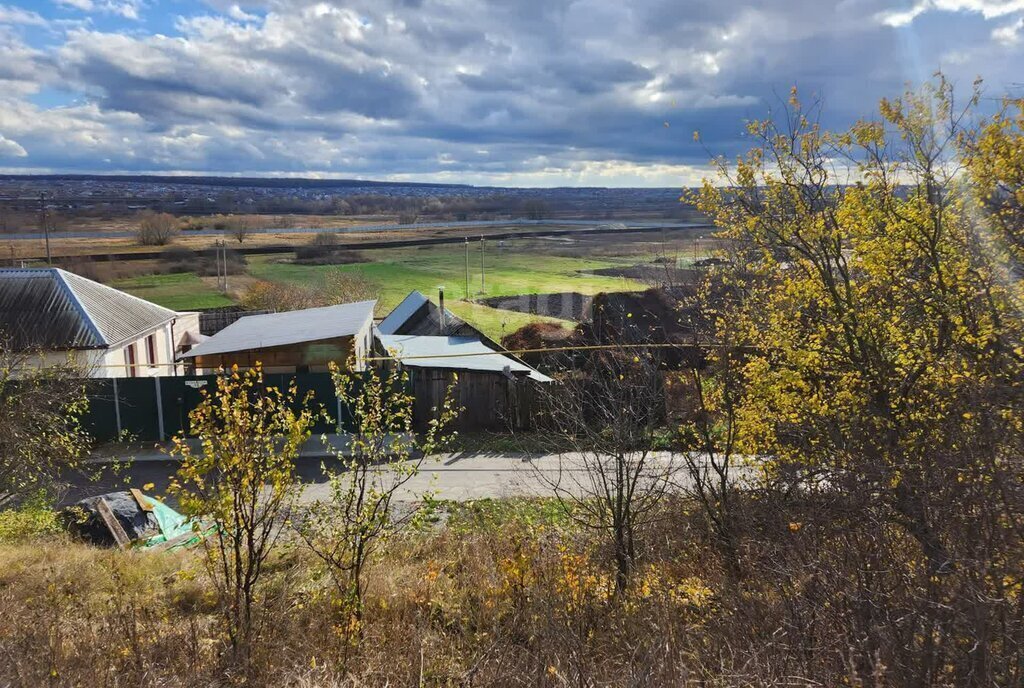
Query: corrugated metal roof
x,y
256,332
49,308
459,353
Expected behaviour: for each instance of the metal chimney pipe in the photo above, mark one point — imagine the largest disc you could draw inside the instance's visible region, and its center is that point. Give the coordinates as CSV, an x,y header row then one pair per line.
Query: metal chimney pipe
x,y
442,318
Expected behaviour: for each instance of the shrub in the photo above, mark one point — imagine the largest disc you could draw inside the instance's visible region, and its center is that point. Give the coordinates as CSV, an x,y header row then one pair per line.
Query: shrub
x,y
236,264
325,239
178,259
27,522
156,229
336,287
318,255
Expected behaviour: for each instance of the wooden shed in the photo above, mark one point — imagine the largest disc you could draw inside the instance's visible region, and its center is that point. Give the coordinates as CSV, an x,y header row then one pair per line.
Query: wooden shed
x,y
494,390
294,341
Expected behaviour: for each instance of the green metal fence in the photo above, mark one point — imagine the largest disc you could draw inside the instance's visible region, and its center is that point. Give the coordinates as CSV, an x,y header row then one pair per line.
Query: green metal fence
x,y
157,408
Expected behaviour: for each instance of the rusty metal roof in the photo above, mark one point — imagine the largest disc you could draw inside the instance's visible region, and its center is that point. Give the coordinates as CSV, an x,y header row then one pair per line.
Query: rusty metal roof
x,y
50,308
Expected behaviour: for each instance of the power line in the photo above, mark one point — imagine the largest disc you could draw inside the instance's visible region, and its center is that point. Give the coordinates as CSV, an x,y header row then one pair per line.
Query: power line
x,y
553,349
503,352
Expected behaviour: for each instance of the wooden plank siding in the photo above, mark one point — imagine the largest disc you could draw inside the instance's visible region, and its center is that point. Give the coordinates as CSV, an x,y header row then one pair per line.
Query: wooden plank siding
x,y
284,359
488,401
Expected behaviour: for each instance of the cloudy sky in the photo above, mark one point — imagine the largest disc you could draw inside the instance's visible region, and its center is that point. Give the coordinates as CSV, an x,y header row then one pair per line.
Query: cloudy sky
x,y
505,92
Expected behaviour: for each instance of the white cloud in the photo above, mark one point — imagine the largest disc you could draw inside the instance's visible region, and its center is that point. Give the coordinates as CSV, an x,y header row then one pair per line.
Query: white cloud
x,y
237,13
1009,34
903,17
989,9
11,149
84,5
129,9
17,15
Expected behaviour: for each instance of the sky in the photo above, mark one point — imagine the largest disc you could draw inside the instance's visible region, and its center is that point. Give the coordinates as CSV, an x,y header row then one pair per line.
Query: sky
x,y
491,92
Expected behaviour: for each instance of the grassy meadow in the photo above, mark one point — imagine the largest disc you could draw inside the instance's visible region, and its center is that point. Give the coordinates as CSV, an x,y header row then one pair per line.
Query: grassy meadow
x,y
181,291
520,267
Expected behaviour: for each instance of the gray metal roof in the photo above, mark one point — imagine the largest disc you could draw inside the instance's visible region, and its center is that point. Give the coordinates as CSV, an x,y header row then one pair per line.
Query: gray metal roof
x,y
402,312
417,314
256,332
50,308
459,353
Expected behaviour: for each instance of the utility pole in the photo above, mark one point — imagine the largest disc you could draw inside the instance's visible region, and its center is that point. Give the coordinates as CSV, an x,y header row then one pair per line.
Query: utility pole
x,y
224,265
467,268
482,288
45,224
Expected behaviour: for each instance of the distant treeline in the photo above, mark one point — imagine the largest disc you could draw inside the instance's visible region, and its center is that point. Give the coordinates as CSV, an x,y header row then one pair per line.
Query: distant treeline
x,y
250,182
20,206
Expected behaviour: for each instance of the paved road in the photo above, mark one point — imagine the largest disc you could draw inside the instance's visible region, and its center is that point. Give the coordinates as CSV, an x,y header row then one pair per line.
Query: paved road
x,y
372,228
460,476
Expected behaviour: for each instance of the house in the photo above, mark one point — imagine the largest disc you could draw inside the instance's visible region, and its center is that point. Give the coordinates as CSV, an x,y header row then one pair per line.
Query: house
x,y
494,389
294,341
59,317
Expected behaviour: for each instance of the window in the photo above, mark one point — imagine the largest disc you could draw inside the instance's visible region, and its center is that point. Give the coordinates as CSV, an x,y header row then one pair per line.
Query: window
x,y
129,358
151,349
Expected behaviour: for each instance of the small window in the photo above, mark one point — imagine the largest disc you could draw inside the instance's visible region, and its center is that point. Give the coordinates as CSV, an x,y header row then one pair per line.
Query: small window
x,y
129,357
151,349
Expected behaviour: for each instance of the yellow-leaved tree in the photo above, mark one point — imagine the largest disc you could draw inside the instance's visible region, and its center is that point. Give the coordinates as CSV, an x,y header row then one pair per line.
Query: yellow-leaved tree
x,y
879,319
41,437
382,455
887,361
994,156
239,476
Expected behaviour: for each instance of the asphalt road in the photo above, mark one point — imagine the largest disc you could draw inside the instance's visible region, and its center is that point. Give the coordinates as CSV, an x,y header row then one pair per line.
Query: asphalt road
x,y
460,476
368,228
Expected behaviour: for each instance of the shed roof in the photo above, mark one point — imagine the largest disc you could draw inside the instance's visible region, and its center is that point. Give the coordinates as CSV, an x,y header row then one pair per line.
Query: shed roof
x,y
417,314
52,309
458,353
401,313
255,332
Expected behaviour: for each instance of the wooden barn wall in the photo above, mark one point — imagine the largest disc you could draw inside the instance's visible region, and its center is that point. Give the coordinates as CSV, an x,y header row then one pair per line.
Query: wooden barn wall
x,y
489,401
283,359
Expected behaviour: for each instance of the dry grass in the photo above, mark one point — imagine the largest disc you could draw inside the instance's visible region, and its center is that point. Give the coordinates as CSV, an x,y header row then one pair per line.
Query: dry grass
x,y
510,594
60,246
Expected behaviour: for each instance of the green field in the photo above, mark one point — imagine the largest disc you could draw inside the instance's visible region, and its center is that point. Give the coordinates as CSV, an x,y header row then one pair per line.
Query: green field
x,y
528,267
180,292
396,272
399,271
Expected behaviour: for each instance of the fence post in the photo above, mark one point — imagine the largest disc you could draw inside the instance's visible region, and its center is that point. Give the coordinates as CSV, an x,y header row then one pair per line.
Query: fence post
x,y
117,408
159,408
